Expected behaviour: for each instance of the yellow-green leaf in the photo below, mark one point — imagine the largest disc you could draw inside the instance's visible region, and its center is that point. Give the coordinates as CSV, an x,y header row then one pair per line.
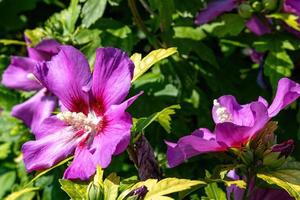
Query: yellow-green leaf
x,y
98,178
168,186
16,195
289,19
111,186
142,65
288,179
75,190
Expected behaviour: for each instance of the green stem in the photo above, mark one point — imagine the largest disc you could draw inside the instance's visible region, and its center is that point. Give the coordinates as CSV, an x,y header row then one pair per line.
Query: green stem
x,y
140,24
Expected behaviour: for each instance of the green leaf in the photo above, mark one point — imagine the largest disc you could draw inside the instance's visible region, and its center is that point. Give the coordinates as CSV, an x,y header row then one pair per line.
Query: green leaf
x,y
4,150
6,181
91,11
188,32
168,186
287,179
227,25
35,35
83,35
163,117
75,190
214,192
278,64
290,19
111,186
18,194
71,15
142,65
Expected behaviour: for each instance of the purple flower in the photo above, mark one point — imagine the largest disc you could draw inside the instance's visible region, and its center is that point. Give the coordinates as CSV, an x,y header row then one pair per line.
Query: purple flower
x,y
235,124
292,6
213,10
255,193
94,123
19,75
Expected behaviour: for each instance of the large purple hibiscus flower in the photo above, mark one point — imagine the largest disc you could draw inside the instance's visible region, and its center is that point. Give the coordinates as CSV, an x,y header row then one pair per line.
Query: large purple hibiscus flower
x,y
235,124
19,75
94,122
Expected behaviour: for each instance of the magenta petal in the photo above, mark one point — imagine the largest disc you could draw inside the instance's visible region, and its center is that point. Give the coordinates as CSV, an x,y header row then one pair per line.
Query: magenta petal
x,y
49,126
17,76
33,111
235,135
213,10
189,146
259,26
292,6
287,92
49,150
83,166
44,50
204,133
111,78
65,76
115,136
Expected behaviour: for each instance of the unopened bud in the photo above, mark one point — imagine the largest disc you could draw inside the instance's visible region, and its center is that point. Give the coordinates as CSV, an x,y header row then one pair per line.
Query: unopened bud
x,y
245,10
257,6
270,5
138,194
285,148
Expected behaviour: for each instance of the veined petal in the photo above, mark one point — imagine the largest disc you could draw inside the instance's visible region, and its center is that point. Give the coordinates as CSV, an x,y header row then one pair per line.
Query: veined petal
x,y
17,75
259,26
83,165
112,74
44,50
234,135
33,111
189,146
204,133
115,136
213,10
287,92
49,126
65,76
45,152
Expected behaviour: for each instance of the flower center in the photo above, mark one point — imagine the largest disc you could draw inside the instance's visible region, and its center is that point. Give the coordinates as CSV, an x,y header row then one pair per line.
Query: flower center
x,y
80,121
32,77
222,113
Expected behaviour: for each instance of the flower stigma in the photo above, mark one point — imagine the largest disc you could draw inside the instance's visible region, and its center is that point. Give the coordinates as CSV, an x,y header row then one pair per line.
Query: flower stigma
x,y
222,113
80,121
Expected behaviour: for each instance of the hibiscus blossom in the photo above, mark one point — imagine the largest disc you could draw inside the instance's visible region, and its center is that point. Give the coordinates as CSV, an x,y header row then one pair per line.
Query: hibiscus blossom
x,y
235,124
19,75
94,122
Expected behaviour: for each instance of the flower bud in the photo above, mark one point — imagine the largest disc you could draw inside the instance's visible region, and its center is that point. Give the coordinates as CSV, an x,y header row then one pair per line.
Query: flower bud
x,y
285,148
94,192
257,6
245,10
138,194
270,5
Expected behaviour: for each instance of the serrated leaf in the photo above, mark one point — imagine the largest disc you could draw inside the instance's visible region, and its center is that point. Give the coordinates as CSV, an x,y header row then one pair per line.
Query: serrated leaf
x,y
75,190
142,65
288,179
91,11
169,186
111,186
18,194
290,19
163,117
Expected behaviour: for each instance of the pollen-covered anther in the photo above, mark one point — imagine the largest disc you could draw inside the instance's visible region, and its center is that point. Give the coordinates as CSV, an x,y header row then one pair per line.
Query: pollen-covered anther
x,y
79,120
222,113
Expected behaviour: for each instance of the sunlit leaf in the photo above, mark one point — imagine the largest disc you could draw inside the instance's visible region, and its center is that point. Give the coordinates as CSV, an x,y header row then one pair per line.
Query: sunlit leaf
x,y
91,11
111,186
75,190
6,181
18,194
142,65
290,19
287,179
11,42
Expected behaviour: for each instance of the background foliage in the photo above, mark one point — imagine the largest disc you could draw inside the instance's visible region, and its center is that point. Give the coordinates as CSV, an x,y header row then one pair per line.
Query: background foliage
x,y
211,62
